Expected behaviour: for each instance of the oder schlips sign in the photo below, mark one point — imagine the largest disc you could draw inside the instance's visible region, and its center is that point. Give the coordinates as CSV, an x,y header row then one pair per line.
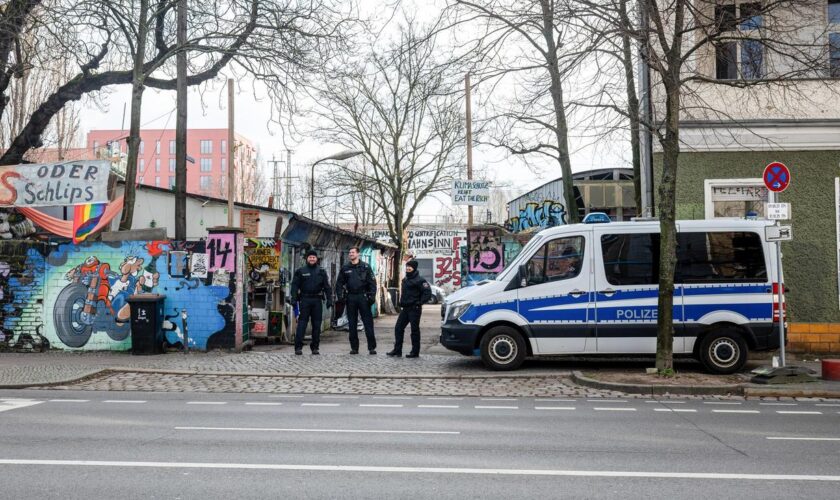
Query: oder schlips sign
x,y
50,184
776,177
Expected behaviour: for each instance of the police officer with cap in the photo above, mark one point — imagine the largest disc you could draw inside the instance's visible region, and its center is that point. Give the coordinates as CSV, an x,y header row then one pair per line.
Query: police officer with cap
x,y
357,285
310,287
414,293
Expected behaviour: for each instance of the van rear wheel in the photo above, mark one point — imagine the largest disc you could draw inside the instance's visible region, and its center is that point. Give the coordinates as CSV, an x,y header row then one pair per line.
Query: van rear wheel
x,y
723,352
503,348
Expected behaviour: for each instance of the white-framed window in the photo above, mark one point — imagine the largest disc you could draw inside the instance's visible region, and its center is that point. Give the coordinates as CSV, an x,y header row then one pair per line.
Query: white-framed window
x,y
142,180
224,164
142,165
171,182
206,147
172,147
172,164
736,198
834,53
205,182
95,146
744,18
157,181
157,147
206,164
833,11
157,164
142,146
224,146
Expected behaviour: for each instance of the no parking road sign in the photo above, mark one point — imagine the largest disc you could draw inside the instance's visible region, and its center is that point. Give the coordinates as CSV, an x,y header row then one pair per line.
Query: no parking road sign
x,y
776,177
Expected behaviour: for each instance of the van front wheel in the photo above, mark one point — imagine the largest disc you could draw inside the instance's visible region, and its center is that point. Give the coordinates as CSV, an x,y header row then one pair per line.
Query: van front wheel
x,y
723,352
503,348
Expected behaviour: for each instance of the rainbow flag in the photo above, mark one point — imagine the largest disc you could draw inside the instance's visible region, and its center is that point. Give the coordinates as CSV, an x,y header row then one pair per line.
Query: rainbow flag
x,y
85,220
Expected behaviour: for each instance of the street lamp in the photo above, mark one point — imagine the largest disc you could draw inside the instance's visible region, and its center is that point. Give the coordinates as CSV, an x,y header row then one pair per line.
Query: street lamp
x,y
343,155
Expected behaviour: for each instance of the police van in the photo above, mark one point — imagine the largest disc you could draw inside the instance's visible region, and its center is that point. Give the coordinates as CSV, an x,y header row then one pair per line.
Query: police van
x,y
593,289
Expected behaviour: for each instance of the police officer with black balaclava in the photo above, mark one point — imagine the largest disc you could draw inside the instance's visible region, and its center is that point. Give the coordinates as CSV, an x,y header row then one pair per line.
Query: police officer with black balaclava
x,y
310,287
357,285
414,293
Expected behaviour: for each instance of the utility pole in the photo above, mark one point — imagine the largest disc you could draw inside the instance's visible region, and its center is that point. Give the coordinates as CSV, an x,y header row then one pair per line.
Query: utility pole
x,y
289,180
275,183
231,147
181,126
469,145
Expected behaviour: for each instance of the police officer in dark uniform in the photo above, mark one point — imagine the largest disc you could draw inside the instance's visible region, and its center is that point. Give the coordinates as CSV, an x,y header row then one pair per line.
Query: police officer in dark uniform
x,y
414,293
310,287
357,285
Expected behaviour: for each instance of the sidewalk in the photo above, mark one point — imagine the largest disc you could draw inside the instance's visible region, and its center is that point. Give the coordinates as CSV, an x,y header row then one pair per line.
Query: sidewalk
x,y
275,368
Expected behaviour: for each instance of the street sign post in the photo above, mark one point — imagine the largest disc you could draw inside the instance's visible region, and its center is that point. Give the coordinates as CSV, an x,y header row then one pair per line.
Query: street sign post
x,y
778,211
776,177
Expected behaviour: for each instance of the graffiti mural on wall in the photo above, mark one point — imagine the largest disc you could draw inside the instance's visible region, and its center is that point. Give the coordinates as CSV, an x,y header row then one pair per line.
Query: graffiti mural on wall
x,y
263,255
21,284
549,213
448,267
486,252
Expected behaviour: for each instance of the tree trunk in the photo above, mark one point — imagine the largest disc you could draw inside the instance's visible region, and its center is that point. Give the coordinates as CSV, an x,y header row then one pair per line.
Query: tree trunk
x,y
137,89
632,105
668,231
561,130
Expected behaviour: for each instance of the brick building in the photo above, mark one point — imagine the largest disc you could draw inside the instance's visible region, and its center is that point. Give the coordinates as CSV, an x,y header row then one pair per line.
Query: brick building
x,y
208,147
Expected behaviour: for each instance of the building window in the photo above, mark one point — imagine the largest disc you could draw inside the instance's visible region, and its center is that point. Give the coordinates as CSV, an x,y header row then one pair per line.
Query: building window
x,y
224,164
725,17
222,186
736,198
206,164
172,147
172,164
752,17
171,182
752,60
726,61
95,146
224,146
205,182
834,11
157,164
206,147
834,54
157,181
142,165
142,147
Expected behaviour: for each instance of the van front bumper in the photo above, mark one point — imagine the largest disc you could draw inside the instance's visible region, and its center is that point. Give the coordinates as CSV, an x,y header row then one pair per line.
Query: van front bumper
x,y
459,337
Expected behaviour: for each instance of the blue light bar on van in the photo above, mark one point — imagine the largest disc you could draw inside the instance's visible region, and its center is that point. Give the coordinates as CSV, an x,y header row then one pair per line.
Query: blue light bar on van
x,y
596,218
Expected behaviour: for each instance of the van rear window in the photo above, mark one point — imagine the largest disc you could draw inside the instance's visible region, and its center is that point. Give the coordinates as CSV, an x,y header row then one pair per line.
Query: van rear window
x,y
720,257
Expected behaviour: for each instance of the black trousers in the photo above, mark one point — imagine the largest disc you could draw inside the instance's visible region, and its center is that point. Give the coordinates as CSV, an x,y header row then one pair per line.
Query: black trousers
x,y
408,316
357,304
311,309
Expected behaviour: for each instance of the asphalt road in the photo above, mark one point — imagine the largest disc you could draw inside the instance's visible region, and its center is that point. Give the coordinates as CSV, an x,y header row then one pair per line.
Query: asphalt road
x,y
62,444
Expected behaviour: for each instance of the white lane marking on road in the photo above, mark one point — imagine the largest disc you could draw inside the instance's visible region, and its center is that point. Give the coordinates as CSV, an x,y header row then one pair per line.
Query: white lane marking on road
x,y
340,397
785,438
721,403
570,408
14,404
334,431
320,404
69,400
17,399
499,399
380,406
777,404
676,410
736,411
827,404
797,412
555,400
667,402
125,401
438,406
447,398
427,470
480,407
262,403
607,401
392,397
206,403
613,408
285,396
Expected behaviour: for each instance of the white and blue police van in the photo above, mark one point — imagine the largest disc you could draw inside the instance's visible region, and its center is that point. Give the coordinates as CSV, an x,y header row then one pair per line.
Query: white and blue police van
x,y
591,289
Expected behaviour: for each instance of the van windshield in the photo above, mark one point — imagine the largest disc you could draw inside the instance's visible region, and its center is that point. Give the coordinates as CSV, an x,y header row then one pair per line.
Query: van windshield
x,y
526,250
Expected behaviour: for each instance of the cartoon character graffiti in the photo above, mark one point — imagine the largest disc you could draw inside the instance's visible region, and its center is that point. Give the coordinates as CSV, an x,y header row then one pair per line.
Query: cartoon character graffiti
x,y
549,213
97,298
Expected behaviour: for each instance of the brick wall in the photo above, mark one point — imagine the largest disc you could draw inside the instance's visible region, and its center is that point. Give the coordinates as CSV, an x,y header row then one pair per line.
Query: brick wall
x,y
21,291
815,338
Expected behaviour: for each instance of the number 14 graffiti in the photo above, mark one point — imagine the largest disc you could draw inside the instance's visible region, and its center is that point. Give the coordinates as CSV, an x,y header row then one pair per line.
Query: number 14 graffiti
x,y
220,250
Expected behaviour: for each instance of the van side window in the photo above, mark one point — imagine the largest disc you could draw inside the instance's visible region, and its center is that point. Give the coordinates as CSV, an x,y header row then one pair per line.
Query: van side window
x,y
631,259
720,257
557,260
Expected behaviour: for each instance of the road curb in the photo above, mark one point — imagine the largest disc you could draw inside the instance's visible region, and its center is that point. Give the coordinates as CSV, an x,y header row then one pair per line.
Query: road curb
x,y
774,392
659,390
71,380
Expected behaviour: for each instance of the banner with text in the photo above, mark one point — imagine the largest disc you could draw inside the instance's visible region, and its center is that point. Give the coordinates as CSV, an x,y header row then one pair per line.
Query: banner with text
x,y
470,192
54,184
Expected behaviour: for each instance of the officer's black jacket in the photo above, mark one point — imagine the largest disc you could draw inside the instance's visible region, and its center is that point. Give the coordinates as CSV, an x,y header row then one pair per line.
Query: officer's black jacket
x,y
356,279
415,290
309,281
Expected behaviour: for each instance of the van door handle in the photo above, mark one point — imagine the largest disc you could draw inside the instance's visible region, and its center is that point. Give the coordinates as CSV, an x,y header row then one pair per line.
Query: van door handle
x,y
576,293
609,292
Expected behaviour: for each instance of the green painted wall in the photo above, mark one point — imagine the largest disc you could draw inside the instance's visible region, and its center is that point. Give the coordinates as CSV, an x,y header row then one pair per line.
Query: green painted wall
x,y
810,260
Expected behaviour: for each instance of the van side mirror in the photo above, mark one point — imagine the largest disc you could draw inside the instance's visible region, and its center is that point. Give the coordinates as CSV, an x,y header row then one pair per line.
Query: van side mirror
x,y
523,275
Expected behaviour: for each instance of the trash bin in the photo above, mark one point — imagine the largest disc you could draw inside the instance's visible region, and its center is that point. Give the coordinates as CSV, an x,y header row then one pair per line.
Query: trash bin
x,y
146,323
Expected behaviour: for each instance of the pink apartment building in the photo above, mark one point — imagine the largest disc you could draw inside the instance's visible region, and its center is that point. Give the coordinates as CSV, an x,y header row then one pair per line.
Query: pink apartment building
x,y
207,146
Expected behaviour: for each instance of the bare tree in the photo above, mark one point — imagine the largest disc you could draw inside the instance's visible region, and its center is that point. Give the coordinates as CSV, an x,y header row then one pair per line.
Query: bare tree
x,y
400,104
